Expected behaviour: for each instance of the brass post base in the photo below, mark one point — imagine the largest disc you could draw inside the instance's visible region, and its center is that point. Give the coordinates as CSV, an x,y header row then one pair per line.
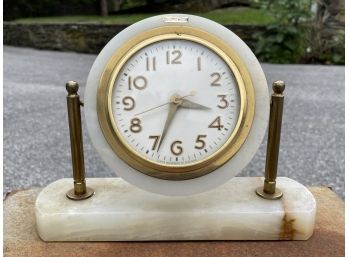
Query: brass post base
x,y
72,196
269,190
276,195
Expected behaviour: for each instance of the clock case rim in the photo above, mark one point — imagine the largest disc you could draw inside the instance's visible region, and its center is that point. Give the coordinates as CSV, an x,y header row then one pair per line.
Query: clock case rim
x,y
167,171
177,187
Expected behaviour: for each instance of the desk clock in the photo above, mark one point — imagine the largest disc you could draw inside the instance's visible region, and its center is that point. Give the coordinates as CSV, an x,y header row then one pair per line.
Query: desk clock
x,y
176,105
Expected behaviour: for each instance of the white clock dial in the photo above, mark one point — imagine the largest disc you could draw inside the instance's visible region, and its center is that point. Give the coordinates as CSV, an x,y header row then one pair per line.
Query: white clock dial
x,y
201,119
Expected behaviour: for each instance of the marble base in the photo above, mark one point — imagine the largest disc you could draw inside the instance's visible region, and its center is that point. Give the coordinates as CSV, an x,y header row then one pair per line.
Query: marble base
x,y
121,212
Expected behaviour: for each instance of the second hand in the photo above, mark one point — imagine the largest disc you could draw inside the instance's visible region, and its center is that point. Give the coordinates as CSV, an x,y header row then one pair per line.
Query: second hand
x,y
192,93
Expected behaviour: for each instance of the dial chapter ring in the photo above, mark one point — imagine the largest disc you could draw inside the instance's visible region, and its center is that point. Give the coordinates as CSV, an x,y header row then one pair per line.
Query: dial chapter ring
x,y
164,171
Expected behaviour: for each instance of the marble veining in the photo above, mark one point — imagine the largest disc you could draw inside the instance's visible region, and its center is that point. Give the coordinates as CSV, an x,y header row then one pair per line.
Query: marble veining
x,y
121,212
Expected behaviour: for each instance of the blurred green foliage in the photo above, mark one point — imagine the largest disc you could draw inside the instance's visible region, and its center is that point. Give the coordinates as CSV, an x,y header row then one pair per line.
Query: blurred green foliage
x,y
299,33
128,4
325,40
328,50
295,31
284,41
242,16
14,9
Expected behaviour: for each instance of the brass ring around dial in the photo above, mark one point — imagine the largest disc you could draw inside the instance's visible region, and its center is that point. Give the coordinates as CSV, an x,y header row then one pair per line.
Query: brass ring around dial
x,y
165,171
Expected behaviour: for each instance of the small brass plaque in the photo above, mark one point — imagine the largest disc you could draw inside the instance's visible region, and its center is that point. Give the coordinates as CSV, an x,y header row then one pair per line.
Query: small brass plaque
x,y
173,19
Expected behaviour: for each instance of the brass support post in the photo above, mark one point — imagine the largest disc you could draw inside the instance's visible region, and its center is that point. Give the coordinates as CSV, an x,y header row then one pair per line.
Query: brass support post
x,y
80,191
269,190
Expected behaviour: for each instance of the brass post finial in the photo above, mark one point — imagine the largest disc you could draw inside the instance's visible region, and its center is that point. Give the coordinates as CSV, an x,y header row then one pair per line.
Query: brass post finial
x,y
269,190
80,191
278,87
72,87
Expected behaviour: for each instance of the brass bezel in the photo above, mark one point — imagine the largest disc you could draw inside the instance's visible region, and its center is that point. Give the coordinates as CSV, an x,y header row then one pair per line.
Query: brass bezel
x,y
167,171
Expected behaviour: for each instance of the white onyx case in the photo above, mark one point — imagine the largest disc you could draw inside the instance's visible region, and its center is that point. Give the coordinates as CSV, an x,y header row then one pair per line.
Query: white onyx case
x,y
121,212
196,185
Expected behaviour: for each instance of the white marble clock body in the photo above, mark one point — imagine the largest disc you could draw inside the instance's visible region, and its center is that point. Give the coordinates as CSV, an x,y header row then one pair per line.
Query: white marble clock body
x,y
199,184
190,137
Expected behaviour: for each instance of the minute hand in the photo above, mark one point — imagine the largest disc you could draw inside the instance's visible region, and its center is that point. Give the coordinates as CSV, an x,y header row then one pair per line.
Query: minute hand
x,y
172,110
192,105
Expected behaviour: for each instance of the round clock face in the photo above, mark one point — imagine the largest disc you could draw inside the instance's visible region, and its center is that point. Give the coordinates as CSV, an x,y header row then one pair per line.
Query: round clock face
x,y
177,106
175,102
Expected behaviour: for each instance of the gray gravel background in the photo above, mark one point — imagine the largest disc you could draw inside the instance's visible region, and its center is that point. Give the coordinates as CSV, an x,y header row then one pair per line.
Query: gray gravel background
x,y
36,136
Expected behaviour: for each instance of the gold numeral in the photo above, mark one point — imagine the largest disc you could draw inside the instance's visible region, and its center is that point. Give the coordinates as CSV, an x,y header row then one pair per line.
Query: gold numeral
x,y
216,78
139,82
135,126
176,57
155,143
128,102
216,123
150,63
224,102
176,147
199,64
200,143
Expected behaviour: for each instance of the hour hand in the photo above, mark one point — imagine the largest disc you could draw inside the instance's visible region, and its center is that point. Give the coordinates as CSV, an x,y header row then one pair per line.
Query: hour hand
x,y
192,105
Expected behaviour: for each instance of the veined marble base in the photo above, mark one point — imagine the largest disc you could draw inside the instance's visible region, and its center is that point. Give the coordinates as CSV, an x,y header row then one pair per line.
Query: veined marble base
x,y
121,212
